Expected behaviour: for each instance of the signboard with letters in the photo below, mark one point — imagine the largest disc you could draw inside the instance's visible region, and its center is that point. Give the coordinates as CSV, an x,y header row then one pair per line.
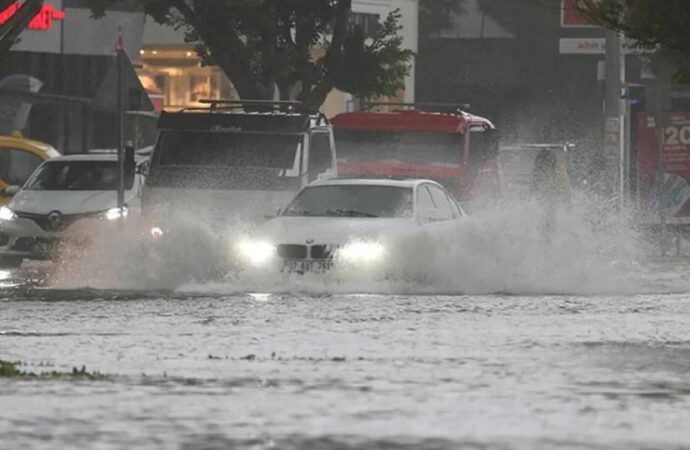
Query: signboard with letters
x,y
676,167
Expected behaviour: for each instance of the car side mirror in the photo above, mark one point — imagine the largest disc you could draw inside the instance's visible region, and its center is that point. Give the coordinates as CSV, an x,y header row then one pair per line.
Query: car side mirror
x,y
272,216
11,191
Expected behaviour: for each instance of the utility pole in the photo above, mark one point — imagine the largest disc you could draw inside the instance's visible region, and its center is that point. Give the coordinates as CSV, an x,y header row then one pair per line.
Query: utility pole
x,y
614,113
119,50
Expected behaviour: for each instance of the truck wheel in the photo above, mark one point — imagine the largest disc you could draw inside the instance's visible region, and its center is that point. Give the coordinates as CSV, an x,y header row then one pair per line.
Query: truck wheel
x,y
10,262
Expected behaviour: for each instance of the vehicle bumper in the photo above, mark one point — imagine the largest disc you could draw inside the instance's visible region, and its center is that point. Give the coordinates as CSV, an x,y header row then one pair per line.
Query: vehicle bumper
x,y
24,238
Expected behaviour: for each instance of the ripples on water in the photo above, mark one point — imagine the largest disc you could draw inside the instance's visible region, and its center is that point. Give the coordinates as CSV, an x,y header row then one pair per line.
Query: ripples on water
x,y
308,364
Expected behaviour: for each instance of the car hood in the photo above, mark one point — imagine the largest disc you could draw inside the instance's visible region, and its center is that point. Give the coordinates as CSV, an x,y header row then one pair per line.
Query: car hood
x,y
67,202
326,230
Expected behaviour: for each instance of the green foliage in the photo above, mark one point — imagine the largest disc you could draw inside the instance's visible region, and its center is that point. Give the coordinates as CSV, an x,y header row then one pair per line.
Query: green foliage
x,y
649,22
381,66
9,369
304,47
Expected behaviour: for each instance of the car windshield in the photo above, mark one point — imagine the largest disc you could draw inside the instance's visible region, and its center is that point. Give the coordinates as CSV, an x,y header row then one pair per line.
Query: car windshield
x,y
352,201
77,176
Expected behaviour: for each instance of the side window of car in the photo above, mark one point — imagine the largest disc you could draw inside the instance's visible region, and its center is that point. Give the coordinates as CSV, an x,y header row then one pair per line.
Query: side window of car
x,y
425,205
18,165
443,206
319,154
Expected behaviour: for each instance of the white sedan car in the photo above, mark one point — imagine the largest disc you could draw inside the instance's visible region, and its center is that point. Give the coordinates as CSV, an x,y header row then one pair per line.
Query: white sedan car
x,y
349,223
61,194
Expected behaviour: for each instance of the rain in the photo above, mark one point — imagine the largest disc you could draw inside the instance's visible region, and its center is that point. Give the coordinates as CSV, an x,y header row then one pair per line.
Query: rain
x,y
344,224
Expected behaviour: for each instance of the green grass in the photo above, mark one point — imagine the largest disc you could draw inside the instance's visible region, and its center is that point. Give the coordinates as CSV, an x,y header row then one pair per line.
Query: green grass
x,y
9,369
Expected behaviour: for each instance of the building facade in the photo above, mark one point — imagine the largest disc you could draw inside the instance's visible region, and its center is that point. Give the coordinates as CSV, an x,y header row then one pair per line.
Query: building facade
x,y
171,69
71,56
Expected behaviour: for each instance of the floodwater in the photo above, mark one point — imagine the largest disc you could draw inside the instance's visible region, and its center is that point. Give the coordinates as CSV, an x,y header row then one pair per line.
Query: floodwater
x,y
568,363
200,371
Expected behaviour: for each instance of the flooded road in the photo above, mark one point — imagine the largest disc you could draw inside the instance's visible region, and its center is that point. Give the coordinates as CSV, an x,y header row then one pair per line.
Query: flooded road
x,y
205,371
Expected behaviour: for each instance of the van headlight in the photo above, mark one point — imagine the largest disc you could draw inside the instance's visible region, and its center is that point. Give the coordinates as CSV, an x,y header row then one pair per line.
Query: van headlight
x,y
116,213
256,253
362,252
7,214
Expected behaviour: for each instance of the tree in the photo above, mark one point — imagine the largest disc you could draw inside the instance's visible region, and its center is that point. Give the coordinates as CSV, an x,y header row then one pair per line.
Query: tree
x,y
304,48
10,30
437,15
651,23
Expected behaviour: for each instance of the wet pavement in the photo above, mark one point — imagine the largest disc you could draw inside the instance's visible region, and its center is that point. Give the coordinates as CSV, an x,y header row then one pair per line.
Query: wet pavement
x,y
207,370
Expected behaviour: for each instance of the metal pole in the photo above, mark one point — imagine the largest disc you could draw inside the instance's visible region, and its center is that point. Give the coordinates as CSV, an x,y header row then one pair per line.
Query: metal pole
x,y
120,133
614,111
661,186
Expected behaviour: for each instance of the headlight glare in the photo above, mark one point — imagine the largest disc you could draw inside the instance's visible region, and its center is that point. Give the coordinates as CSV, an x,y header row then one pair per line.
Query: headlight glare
x,y
7,214
116,213
156,232
362,252
257,253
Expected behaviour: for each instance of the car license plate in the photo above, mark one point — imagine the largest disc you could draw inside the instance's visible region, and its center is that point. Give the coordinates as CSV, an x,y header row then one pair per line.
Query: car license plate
x,y
306,266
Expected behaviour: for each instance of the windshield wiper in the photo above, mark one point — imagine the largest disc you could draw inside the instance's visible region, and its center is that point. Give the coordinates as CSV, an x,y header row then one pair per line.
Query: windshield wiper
x,y
348,213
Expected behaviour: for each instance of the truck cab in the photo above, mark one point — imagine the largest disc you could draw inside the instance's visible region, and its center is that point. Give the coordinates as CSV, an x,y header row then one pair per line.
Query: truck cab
x,y
235,160
440,142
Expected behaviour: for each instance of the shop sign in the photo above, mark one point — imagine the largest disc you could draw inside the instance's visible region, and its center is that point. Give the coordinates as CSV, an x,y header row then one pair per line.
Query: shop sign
x,y
43,21
676,166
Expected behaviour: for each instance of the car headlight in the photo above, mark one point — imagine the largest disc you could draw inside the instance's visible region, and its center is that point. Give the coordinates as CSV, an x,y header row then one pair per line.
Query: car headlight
x,y
116,213
156,232
257,253
7,214
362,252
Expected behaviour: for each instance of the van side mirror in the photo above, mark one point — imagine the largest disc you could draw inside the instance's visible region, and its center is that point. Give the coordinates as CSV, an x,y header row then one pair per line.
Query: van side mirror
x,y
11,191
130,163
143,169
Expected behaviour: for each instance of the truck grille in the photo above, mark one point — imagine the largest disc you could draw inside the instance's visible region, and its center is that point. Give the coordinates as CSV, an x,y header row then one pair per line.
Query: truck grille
x,y
57,224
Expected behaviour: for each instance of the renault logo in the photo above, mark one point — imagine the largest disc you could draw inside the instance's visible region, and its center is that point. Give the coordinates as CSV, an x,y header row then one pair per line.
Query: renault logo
x,y
310,241
54,219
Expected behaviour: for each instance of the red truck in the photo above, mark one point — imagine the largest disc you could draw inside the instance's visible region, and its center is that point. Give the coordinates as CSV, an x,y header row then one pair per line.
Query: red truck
x,y
454,148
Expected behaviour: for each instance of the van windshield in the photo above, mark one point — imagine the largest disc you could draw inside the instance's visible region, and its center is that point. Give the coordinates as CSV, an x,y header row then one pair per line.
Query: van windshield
x,y
235,149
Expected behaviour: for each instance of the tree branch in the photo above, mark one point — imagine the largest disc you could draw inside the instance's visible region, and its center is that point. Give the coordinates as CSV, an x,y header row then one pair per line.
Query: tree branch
x,y
313,97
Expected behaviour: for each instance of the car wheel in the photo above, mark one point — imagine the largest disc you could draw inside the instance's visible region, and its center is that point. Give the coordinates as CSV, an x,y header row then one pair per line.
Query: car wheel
x,y
10,262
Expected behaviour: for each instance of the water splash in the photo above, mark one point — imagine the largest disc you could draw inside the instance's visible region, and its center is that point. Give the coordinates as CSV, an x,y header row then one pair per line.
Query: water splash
x,y
516,248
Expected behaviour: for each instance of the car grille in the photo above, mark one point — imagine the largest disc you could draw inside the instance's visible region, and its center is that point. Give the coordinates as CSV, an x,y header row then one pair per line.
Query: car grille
x,y
322,252
37,245
295,251
290,251
46,224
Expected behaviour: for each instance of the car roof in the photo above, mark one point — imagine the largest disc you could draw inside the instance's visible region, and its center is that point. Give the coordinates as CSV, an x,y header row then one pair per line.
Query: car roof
x,y
392,182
